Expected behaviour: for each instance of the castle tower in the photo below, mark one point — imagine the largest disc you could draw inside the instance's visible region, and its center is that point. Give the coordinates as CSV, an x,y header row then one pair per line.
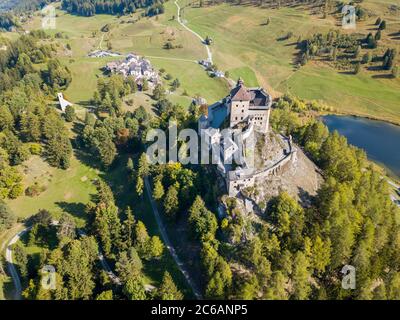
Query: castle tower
x,y
239,103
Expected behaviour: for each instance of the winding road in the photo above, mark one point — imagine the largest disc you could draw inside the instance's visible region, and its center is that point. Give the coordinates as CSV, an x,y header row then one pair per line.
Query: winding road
x,y
17,281
168,243
209,53
11,266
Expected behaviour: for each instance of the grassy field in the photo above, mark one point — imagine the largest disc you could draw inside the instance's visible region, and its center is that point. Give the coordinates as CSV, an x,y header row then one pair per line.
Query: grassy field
x,y
241,40
63,188
144,36
243,45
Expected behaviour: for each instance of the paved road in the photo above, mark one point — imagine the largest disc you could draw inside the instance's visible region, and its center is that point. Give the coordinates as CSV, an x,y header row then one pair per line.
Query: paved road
x,y
17,281
11,266
209,53
168,243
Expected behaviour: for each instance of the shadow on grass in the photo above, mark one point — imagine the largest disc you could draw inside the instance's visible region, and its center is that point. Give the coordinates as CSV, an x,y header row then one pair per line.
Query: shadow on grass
x,y
347,73
382,76
85,103
74,209
305,198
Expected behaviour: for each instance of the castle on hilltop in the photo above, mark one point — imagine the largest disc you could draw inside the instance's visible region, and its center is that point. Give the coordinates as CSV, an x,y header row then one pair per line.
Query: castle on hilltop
x,y
244,111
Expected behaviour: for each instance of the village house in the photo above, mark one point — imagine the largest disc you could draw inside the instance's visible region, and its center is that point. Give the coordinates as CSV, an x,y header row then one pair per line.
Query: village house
x,y
137,67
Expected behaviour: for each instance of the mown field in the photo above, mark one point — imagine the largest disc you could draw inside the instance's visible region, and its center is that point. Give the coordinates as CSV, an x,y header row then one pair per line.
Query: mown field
x,y
243,42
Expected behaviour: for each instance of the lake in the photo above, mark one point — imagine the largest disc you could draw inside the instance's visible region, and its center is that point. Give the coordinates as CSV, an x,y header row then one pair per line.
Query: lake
x,y
380,140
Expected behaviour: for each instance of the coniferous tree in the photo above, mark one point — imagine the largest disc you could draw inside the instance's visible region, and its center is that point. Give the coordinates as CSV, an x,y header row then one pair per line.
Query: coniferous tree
x,y
168,289
171,202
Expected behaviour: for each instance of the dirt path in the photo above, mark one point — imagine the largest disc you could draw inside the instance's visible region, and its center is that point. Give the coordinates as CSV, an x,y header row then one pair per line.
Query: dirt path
x,y
168,243
209,53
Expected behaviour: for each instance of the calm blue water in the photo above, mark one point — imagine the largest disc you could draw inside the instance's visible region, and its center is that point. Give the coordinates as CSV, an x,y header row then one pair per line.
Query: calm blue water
x,y
380,140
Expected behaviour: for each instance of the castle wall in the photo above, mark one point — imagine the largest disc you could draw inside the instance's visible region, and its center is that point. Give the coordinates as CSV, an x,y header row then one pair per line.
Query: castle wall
x,y
235,186
260,119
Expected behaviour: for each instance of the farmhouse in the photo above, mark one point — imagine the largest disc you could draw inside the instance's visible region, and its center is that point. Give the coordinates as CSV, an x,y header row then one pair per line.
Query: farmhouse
x,y
102,54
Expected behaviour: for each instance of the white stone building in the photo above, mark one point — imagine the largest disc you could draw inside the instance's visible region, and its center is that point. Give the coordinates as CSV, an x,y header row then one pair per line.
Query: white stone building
x,y
63,103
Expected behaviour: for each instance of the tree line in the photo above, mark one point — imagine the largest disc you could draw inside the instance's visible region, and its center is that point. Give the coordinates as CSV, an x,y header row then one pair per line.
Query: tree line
x,y
89,8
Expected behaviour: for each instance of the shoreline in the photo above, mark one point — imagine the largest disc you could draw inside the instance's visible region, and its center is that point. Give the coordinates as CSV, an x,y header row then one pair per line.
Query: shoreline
x,y
358,115
387,171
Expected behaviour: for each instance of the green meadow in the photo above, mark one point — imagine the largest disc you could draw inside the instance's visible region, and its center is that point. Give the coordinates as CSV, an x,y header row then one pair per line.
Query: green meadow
x,y
244,44
142,35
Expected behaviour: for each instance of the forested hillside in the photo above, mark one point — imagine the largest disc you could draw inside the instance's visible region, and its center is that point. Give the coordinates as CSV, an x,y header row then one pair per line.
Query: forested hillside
x,y
23,5
28,126
91,7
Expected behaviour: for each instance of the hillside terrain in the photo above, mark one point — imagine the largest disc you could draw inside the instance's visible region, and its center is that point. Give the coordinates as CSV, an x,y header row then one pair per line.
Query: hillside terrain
x,y
80,184
242,41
